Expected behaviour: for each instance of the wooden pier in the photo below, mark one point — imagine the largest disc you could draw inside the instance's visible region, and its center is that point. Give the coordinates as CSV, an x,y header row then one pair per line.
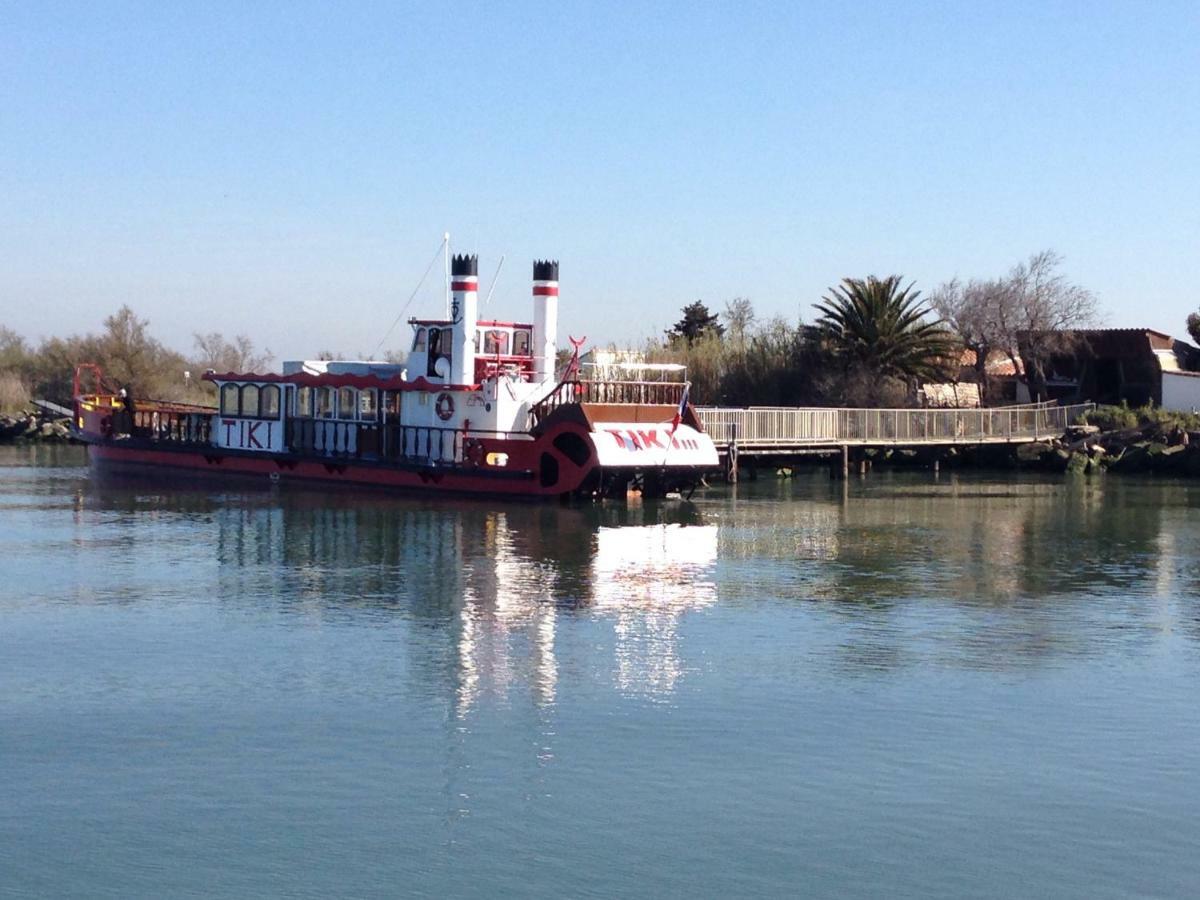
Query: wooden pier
x,y
761,434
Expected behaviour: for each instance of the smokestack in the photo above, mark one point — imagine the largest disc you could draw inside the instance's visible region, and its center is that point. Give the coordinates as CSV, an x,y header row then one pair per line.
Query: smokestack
x,y
464,311
545,318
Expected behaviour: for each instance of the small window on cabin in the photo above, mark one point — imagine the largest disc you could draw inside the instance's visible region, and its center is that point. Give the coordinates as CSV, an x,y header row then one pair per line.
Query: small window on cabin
x,y
230,400
367,408
520,343
250,400
304,402
478,339
268,401
325,403
347,403
391,406
419,341
495,342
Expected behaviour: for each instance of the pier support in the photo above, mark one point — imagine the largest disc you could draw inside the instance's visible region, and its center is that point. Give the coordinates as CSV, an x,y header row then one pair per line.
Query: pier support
x,y
840,465
731,457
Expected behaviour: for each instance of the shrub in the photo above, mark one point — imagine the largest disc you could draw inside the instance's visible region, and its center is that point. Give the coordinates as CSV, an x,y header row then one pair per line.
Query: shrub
x,y
14,395
1111,418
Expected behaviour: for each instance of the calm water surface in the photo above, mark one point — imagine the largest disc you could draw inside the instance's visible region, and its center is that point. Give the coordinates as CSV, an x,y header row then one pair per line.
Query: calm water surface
x,y
969,686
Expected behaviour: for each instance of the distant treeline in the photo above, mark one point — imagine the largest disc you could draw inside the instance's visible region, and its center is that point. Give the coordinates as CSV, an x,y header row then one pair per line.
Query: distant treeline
x,y
129,357
873,342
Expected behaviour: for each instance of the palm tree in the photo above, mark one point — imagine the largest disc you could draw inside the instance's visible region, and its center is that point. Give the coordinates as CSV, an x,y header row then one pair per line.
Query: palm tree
x,y
881,328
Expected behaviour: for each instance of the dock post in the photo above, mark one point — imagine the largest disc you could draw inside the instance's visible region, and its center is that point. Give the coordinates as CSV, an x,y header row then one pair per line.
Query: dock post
x,y
845,460
731,456
937,465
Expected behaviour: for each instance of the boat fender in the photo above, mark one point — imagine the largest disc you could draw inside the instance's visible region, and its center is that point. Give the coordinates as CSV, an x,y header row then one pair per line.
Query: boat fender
x,y
444,407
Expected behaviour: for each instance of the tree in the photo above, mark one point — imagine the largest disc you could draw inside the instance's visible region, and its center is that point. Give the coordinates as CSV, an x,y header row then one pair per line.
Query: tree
x,y
1193,326
739,313
967,310
1032,315
879,331
216,353
696,322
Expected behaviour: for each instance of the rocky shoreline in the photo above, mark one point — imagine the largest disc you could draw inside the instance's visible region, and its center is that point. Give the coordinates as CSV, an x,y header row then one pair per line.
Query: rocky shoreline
x,y
31,428
1084,450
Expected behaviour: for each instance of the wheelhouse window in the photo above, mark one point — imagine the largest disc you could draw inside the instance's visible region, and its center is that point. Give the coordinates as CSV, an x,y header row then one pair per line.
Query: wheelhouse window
x,y
419,341
324,403
521,342
250,401
347,403
304,402
231,404
368,405
268,401
495,342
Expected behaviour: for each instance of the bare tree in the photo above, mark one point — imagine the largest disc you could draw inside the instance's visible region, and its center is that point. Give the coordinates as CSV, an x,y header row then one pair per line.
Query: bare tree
x,y
1031,315
1043,313
969,310
739,314
239,355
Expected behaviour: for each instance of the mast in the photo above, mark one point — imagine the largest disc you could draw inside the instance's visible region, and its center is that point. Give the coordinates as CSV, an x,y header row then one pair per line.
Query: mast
x,y
446,266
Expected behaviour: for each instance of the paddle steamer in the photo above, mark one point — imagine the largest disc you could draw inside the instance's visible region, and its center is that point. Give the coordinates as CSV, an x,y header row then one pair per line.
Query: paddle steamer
x,y
475,409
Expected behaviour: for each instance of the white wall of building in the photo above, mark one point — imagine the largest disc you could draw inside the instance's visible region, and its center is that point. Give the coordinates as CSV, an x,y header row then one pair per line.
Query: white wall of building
x,y
1181,391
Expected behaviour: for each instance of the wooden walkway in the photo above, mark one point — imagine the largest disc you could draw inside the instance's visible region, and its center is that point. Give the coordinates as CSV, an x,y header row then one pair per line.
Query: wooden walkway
x,y
788,431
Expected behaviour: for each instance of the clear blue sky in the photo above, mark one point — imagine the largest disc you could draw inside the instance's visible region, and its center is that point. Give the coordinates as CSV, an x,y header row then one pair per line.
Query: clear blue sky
x,y
287,171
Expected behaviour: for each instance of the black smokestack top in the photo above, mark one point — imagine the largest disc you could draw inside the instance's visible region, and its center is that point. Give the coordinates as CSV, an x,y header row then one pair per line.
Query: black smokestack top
x,y
464,265
545,270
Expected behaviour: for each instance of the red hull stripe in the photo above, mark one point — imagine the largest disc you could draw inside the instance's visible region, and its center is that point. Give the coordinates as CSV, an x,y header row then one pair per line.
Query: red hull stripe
x,y
216,463
545,290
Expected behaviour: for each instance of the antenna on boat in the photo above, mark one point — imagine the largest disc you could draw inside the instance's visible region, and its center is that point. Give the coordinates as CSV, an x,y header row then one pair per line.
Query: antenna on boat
x,y
495,278
413,295
446,263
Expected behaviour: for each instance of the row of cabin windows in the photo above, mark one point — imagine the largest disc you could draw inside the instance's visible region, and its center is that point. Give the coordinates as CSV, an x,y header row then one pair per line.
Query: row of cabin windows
x,y
338,403
250,401
489,341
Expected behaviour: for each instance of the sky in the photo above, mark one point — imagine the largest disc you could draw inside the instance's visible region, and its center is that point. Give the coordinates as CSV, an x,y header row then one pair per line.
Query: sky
x,y
287,171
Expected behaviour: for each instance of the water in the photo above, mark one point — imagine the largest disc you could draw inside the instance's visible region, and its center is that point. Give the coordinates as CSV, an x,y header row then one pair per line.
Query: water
x,y
971,686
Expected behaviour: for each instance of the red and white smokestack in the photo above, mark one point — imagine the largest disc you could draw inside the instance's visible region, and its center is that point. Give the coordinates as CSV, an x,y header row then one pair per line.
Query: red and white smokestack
x,y
545,318
464,311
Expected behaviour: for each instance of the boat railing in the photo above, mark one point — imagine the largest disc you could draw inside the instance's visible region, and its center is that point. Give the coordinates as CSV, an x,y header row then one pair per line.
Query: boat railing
x,y
173,426
633,393
408,444
766,427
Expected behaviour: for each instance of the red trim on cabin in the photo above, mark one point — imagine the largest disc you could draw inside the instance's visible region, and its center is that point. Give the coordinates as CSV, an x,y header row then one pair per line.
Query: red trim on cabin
x,y
306,379
490,323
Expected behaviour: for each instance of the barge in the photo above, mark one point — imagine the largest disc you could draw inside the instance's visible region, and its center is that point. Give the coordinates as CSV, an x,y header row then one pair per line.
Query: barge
x,y
475,410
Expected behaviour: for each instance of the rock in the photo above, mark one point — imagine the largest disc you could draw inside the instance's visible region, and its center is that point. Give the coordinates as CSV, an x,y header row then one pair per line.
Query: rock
x,y
1077,463
1075,432
1171,459
1134,459
1032,452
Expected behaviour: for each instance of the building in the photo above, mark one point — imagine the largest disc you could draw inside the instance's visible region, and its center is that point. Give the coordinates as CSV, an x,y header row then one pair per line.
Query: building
x,y
1136,366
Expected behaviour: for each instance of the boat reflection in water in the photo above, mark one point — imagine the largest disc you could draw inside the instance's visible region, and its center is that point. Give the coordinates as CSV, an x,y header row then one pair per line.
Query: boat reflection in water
x,y
639,578
476,596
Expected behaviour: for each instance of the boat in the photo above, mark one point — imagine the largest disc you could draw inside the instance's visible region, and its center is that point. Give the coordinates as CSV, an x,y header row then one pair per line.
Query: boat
x,y
476,409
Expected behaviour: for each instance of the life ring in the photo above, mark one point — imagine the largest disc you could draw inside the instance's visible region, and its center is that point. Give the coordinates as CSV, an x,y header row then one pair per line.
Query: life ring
x,y
473,452
444,407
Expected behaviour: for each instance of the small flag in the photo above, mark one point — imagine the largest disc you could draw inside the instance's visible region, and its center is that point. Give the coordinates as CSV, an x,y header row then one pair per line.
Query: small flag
x,y
683,402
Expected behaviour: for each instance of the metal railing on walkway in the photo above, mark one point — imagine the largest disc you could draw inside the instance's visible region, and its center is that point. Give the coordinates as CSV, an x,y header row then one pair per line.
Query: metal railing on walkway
x,y
786,428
